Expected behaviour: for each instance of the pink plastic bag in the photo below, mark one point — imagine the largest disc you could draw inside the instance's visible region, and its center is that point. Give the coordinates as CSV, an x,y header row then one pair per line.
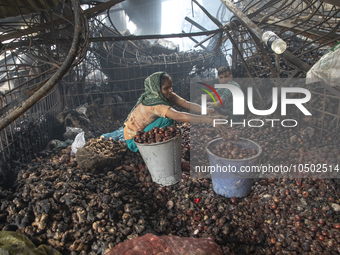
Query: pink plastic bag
x,y
150,244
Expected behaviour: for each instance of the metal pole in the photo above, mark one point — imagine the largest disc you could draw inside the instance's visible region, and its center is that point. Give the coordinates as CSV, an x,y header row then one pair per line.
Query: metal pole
x,y
219,24
118,38
195,41
250,25
195,24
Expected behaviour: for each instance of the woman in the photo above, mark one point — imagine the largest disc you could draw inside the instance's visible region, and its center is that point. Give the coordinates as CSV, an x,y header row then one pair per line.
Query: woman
x,y
154,108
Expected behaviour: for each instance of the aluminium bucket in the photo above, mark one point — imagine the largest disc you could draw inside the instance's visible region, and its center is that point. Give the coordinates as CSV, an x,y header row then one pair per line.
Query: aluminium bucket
x,y
232,183
163,160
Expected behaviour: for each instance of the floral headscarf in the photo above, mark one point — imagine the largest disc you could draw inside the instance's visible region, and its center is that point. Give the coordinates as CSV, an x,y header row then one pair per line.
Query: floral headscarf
x,y
153,94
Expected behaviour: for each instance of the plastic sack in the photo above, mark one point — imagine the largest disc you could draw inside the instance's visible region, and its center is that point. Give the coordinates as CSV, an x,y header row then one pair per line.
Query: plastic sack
x,y
19,244
79,142
150,244
72,132
82,109
117,135
327,68
56,146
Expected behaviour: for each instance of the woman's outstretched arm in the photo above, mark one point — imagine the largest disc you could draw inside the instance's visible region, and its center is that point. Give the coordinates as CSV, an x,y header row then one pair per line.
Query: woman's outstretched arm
x,y
192,107
187,117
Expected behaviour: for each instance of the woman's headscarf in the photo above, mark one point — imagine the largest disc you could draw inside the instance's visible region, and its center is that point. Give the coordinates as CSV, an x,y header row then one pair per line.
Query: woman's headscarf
x,y
153,94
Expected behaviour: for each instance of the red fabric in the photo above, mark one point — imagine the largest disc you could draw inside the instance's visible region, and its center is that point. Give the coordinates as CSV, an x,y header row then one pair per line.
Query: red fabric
x,y
150,244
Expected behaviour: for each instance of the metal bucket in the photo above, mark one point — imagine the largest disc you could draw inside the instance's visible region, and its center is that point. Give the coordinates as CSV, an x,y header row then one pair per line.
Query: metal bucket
x,y
232,183
163,160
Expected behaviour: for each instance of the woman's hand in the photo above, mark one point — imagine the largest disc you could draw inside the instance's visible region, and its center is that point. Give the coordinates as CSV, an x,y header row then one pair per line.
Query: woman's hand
x,y
211,111
211,104
222,130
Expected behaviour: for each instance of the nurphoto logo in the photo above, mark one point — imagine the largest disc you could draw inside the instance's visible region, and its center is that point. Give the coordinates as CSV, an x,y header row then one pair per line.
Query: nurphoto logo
x,y
239,109
204,98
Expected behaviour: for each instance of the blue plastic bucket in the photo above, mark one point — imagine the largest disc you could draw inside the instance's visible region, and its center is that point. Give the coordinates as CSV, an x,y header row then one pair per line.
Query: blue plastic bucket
x,y
229,181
